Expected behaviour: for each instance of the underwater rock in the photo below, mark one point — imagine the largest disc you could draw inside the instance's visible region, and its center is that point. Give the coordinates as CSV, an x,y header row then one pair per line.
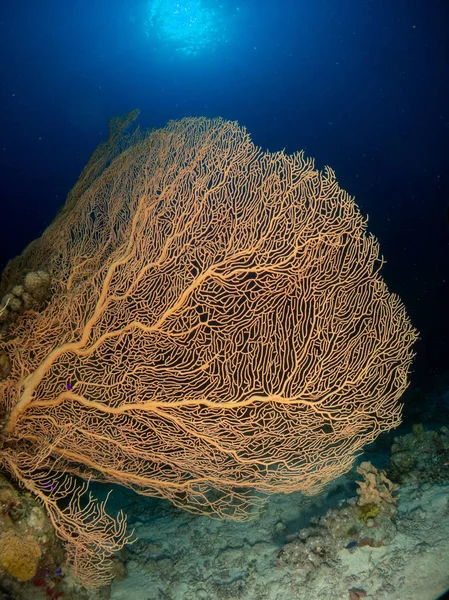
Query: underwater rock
x,y
420,457
32,292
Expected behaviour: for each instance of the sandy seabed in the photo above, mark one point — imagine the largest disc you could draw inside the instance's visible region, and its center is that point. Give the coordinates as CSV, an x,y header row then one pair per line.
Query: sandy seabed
x,y
182,557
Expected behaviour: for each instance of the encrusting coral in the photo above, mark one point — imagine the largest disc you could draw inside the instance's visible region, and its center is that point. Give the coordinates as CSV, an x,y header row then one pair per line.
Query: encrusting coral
x,y
30,293
32,560
19,556
28,543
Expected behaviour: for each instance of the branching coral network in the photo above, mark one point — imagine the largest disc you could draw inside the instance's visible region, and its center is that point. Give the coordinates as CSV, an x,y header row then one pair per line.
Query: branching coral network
x,y
218,330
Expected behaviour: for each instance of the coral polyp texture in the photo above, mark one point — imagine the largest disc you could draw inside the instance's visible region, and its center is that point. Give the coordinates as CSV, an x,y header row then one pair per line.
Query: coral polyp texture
x,y
217,329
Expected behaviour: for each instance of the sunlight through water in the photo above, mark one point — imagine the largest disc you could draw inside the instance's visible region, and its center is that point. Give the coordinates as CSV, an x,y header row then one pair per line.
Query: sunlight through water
x,y
189,26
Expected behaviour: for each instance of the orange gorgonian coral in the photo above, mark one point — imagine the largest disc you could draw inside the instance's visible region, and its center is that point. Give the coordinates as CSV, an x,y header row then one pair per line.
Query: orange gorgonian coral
x,y
218,329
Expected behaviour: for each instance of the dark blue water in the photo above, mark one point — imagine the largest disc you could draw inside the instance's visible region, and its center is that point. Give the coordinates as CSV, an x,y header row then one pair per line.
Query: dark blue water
x,y
361,85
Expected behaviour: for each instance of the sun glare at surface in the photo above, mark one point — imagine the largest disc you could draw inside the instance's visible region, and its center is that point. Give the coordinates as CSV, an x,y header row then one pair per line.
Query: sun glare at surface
x,y
188,26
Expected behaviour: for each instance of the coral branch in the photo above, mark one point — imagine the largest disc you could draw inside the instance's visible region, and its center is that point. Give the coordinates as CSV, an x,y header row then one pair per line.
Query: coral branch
x,y
218,329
